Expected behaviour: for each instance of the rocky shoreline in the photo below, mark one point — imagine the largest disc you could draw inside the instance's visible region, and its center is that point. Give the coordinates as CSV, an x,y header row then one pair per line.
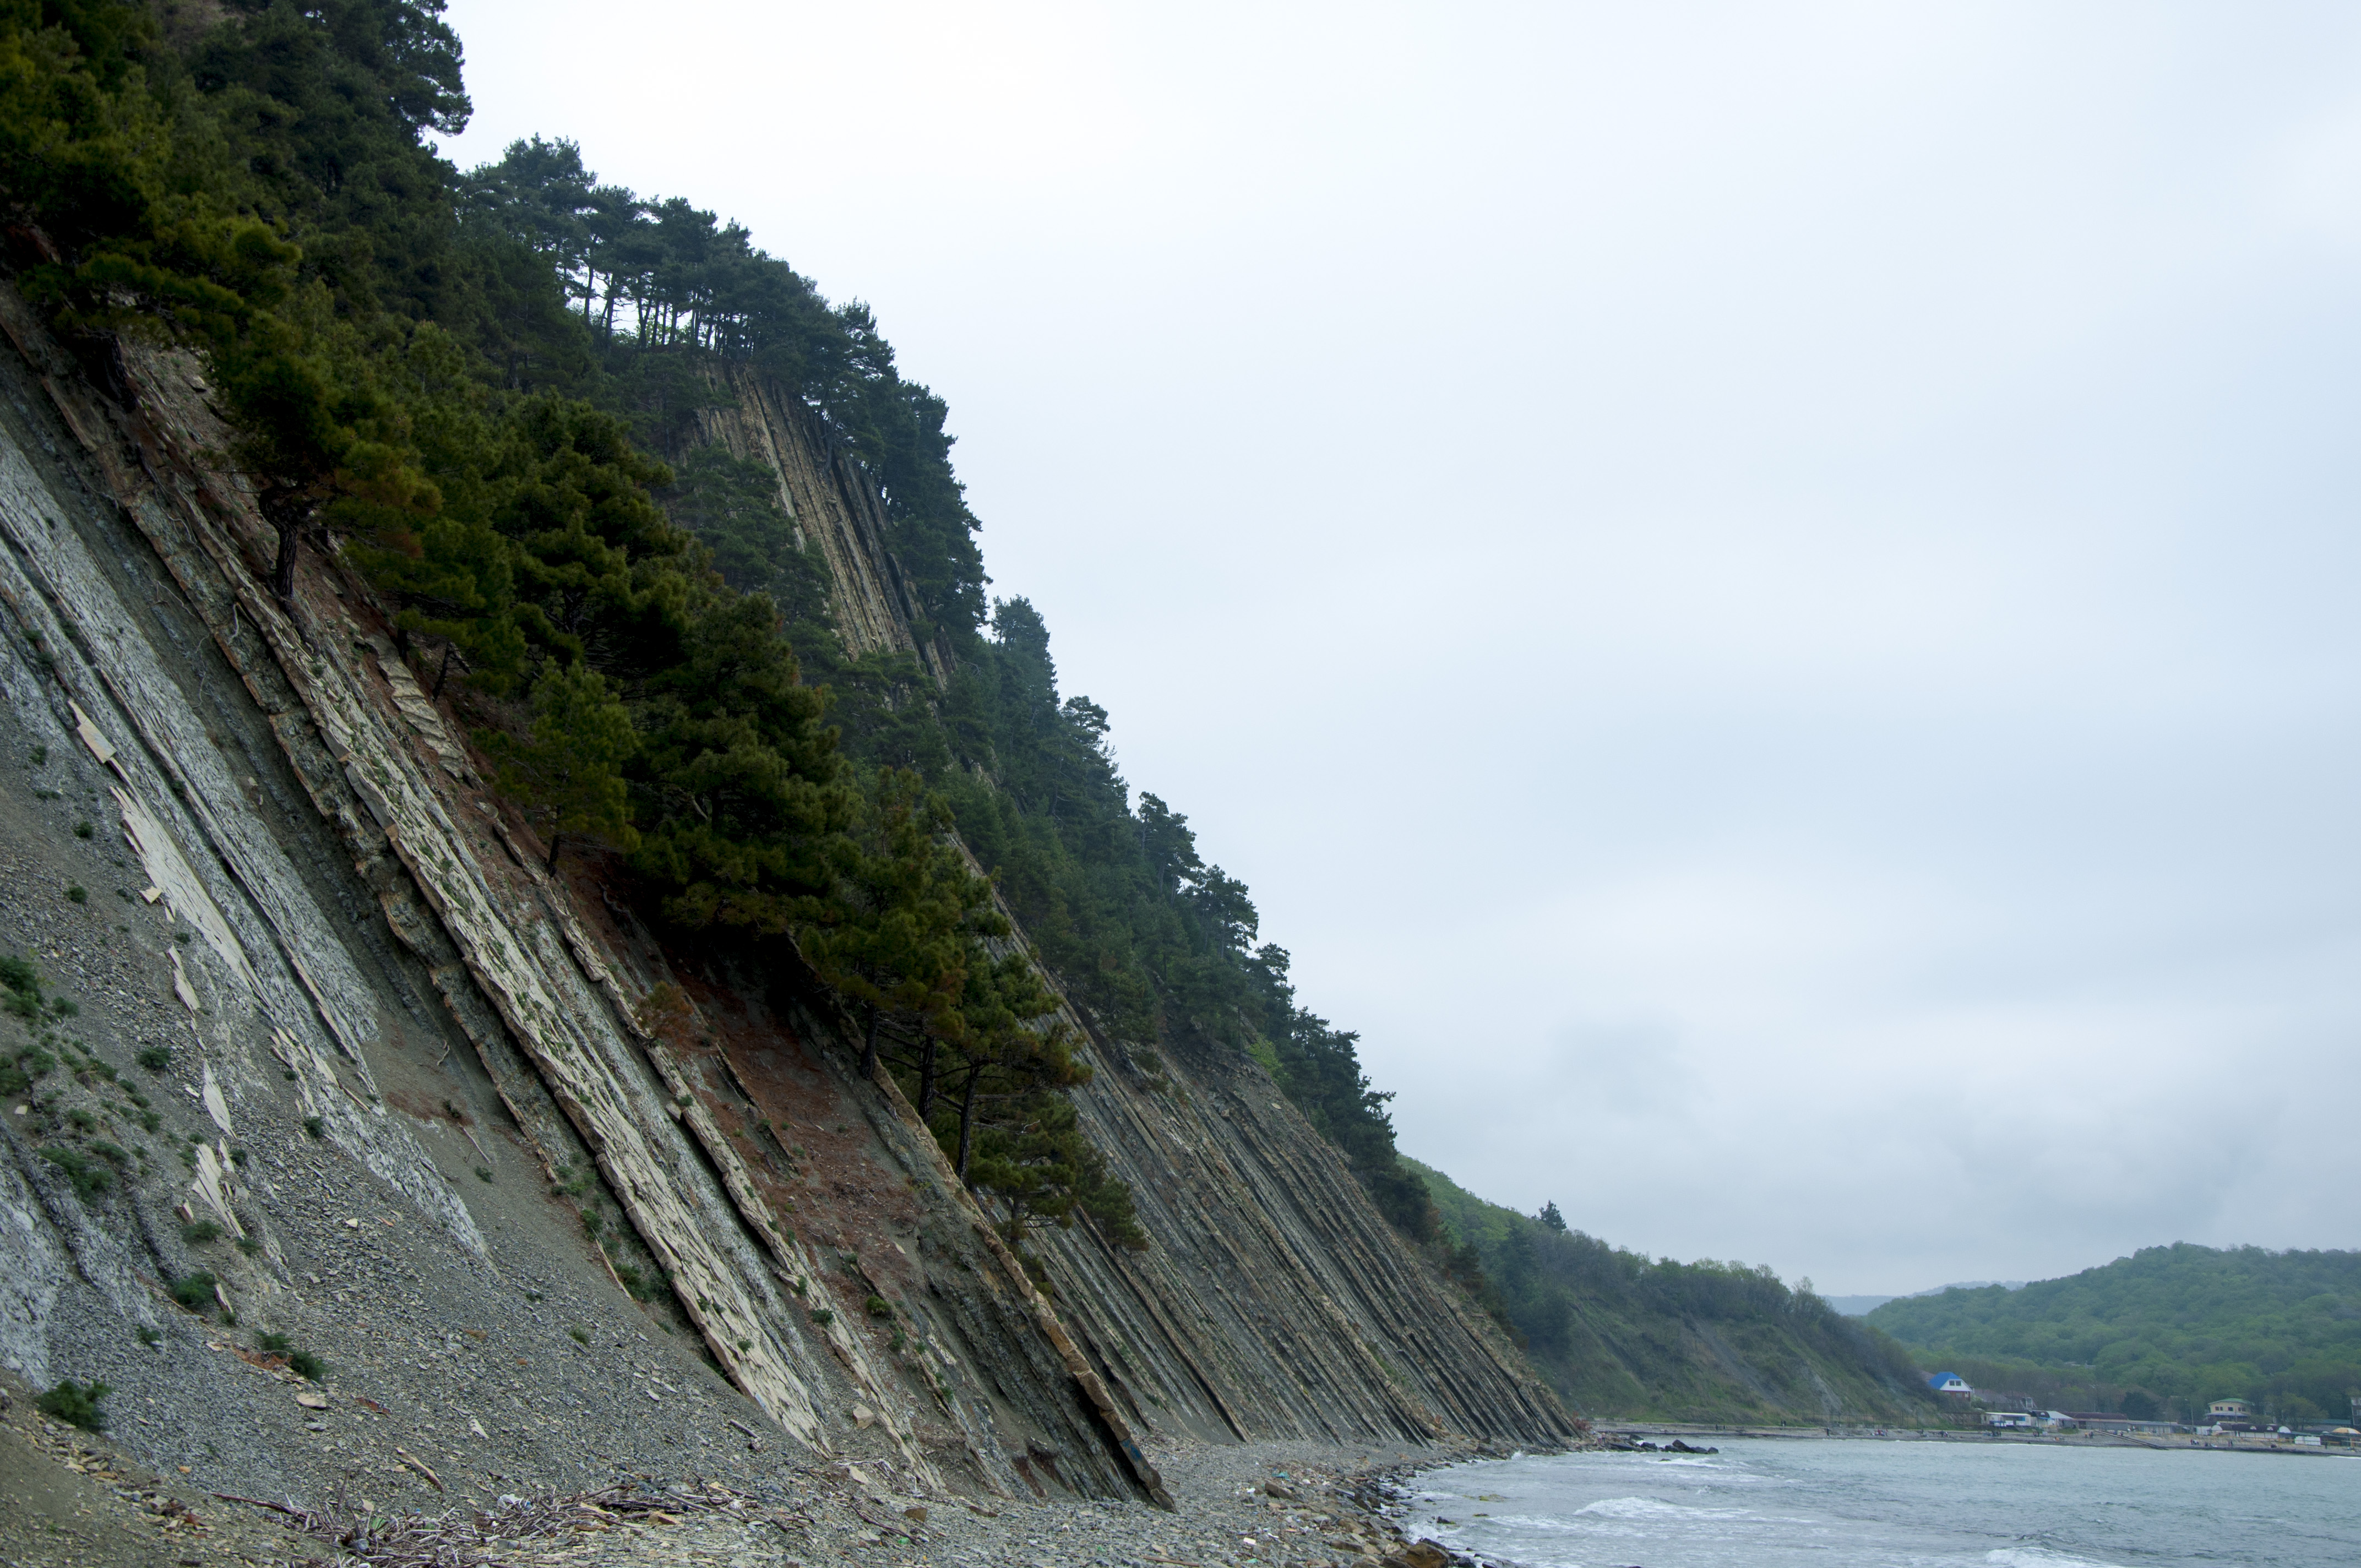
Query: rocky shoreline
x,y
75,1499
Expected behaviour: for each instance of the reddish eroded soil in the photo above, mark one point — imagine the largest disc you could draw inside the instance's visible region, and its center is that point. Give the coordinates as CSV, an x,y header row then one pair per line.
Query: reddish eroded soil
x,y
812,1158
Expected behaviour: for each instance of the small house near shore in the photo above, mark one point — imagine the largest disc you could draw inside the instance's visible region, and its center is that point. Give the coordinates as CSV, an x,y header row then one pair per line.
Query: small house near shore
x,y
1949,1383
2232,1416
2102,1421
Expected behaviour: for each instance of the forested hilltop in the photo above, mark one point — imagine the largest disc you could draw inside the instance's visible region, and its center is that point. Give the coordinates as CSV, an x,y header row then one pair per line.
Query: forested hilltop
x,y
487,393
2162,1333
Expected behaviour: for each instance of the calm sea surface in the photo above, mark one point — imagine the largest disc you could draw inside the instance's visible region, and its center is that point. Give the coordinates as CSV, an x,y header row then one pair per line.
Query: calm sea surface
x,y
1765,1503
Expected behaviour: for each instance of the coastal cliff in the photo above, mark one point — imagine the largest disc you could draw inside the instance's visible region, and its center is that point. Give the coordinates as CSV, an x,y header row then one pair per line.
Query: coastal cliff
x,y
522,809
443,1117
1276,1302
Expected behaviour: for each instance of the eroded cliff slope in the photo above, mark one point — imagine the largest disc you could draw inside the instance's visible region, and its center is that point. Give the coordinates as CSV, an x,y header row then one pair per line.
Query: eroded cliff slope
x,y
543,1192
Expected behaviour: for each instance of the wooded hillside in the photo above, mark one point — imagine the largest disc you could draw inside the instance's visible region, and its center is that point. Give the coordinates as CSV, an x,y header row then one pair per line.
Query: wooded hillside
x,y
2164,1331
1619,1333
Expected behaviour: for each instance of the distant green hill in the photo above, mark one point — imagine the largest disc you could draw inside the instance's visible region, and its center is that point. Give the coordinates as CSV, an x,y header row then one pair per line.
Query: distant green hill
x,y
2169,1327
1618,1334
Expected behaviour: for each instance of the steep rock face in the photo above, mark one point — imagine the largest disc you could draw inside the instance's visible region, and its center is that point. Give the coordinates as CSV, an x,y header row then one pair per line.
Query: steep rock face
x,y
832,505
378,950
1275,1301
414,1071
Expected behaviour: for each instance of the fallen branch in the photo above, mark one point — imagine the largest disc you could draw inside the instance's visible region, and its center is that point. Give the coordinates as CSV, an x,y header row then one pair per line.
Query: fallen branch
x,y
420,1466
261,1502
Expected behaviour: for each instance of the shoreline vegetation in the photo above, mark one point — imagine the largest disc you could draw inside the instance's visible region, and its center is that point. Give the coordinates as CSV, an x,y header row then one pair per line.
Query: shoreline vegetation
x,y
1604,1433
1621,1336
2158,1335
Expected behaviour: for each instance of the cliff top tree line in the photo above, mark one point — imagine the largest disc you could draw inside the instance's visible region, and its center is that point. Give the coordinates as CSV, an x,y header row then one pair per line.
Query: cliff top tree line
x,y
460,382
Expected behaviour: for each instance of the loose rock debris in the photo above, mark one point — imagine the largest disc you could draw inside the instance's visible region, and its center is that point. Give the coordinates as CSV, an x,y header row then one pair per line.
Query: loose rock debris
x,y
1259,1506
1269,1505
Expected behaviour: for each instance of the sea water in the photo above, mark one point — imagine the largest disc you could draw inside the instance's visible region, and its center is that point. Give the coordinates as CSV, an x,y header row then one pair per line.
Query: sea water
x,y
1765,1503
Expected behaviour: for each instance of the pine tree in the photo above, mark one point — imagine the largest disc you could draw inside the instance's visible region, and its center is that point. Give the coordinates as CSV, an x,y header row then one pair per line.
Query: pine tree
x,y
568,770
1014,1134
900,939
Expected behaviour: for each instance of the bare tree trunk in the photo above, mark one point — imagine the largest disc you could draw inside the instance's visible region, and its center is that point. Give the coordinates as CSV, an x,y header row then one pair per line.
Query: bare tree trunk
x,y
555,838
289,511
283,572
927,1077
444,674
869,1048
967,1117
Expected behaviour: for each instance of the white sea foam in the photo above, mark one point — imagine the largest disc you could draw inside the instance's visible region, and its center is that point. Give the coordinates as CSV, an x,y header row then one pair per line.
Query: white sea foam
x,y
1653,1508
1902,1506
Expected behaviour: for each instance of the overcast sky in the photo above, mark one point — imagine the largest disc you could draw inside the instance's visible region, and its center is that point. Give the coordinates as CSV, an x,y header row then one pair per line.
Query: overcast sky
x,y
1764,595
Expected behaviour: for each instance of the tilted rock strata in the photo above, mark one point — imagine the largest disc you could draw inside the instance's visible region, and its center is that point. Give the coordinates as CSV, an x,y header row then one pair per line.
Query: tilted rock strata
x,y
1275,1302
379,957
520,978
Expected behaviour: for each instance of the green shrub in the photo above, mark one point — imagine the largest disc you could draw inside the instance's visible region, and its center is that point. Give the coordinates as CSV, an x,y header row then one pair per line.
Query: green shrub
x,y
313,1125
274,1345
147,1335
822,1316
578,1335
76,1404
303,1364
879,1306
89,1177
156,1058
194,1291
196,1232
20,987
82,829
79,893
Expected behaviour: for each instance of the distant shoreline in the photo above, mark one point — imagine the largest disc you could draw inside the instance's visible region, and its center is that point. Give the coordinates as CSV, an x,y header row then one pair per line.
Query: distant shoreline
x,y
1688,1429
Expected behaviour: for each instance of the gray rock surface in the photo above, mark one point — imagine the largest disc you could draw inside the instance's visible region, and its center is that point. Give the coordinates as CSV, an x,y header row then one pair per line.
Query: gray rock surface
x,y
369,1148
